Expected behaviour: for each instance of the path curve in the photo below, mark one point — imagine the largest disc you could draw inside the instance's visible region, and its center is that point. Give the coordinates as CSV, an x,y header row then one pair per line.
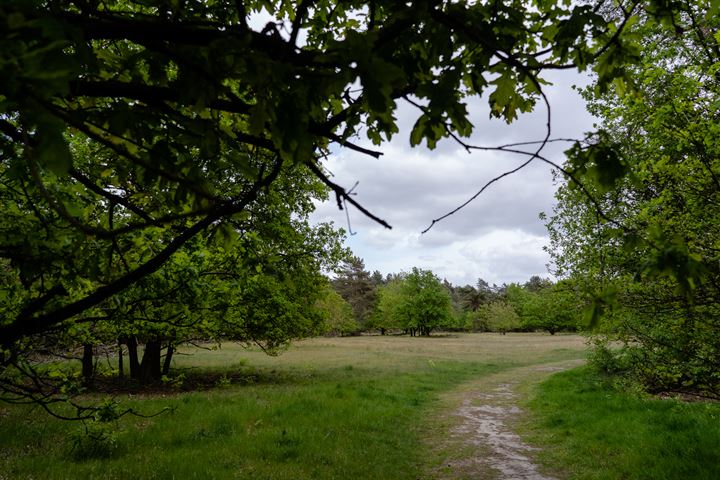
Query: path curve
x,y
486,417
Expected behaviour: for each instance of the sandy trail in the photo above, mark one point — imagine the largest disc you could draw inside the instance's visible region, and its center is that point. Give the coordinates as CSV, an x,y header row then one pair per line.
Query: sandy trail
x,y
484,428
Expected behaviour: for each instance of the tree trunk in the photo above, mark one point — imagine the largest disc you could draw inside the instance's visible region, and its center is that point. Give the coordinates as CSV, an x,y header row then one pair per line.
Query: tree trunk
x,y
150,370
121,366
133,357
168,359
88,370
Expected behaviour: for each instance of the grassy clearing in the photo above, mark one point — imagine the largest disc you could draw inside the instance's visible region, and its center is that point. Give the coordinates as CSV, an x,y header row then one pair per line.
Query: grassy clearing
x,y
593,432
327,408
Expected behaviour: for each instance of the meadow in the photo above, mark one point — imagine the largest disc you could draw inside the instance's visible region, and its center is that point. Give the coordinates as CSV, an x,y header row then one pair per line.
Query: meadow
x,y
353,408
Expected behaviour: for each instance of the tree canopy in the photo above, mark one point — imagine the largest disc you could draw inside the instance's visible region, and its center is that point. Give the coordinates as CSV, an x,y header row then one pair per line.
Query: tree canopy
x,y
130,129
645,242
127,120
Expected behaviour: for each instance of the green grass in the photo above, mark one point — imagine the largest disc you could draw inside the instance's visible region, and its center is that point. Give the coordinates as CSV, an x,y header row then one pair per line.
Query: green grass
x,y
590,431
348,408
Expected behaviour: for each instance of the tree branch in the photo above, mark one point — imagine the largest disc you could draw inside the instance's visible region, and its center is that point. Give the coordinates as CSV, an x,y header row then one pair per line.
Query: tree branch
x,y
24,326
300,13
149,94
342,195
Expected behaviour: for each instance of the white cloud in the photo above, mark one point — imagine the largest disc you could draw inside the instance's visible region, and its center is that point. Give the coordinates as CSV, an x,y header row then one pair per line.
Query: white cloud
x,y
498,237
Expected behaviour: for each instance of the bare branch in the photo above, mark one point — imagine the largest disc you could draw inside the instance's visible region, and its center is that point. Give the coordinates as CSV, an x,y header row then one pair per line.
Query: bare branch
x,y
548,131
342,195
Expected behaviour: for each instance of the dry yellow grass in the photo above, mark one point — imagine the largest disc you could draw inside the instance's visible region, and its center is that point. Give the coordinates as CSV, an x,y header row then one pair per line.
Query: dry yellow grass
x,y
396,352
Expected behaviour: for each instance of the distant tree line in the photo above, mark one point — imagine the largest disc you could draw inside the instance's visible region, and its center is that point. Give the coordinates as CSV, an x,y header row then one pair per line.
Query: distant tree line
x,y
418,302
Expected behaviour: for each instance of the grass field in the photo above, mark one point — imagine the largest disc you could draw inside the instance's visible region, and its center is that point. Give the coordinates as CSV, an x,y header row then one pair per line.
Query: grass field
x,y
371,408
347,408
593,432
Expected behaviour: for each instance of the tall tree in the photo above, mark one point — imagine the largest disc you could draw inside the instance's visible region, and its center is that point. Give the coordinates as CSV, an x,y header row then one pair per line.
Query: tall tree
x,y
386,315
646,239
425,303
537,284
355,285
339,319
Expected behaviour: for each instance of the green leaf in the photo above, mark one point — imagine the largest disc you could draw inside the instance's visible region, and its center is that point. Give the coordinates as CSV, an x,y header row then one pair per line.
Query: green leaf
x,y
52,150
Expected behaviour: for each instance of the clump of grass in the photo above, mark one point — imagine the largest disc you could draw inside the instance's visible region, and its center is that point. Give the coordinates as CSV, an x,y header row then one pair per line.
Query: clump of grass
x,y
588,428
93,440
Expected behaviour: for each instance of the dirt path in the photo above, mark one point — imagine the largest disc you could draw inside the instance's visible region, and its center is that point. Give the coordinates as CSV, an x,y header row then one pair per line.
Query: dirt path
x,y
482,443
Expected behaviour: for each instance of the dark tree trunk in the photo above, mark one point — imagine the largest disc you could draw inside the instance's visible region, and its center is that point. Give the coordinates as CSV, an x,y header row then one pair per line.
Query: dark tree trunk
x,y
121,366
88,369
168,359
133,357
150,371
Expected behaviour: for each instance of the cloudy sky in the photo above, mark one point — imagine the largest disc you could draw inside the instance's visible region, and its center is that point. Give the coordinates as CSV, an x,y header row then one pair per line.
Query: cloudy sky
x,y
498,237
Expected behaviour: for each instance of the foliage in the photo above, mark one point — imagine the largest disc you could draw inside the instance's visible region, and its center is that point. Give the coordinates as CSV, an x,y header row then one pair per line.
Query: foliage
x,y
356,286
500,317
536,284
473,321
387,313
554,307
338,313
138,127
129,128
259,288
645,240
416,302
472,297
425,305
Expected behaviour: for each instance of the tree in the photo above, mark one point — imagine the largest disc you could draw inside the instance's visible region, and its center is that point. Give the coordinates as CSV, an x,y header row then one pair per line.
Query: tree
x,y
472,298
645,240
257,288
356,286
128,129
170,106
339,319
498,316
537,284
387,313
425,304
377,279
553,308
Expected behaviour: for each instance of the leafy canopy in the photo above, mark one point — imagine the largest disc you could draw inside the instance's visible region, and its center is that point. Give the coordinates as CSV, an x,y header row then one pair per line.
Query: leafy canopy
x,y
136,126
645,242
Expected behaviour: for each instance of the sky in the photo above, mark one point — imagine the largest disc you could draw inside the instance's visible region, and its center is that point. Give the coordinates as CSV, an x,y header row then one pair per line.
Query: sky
x,y
499,236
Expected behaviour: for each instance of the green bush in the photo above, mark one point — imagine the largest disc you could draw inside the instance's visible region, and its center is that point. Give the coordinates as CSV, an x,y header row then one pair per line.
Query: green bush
x,y
94,439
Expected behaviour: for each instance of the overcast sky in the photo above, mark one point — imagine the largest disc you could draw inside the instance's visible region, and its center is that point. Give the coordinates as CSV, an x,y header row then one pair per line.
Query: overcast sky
x,y
498,237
